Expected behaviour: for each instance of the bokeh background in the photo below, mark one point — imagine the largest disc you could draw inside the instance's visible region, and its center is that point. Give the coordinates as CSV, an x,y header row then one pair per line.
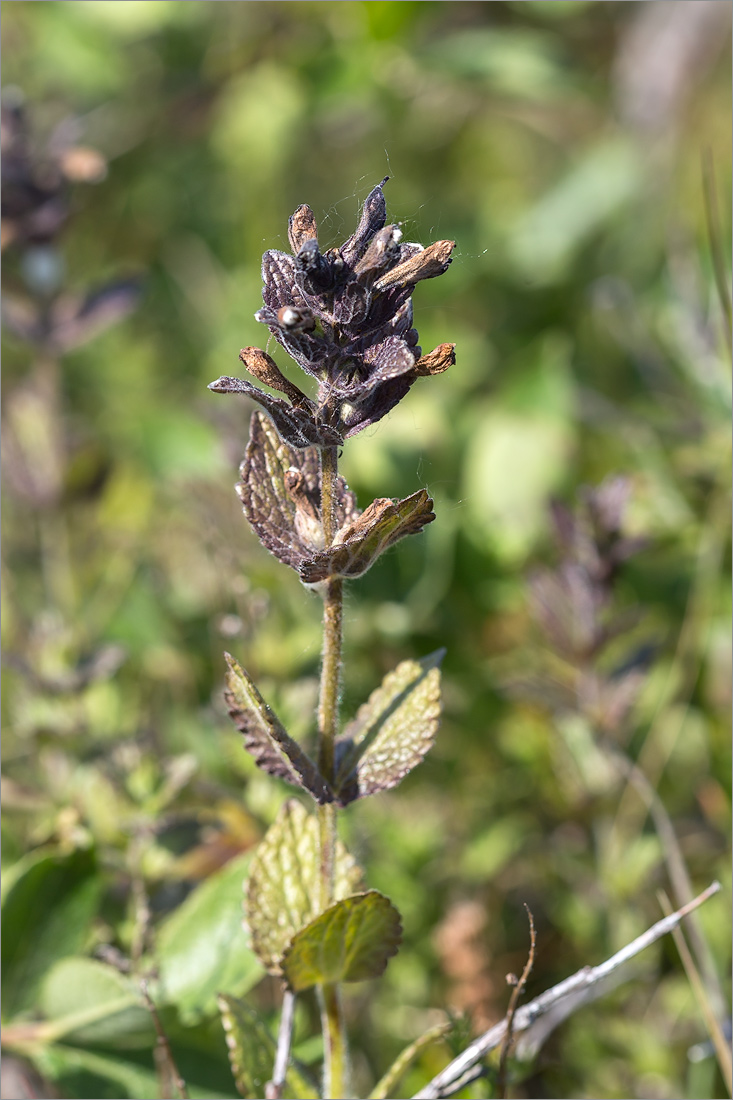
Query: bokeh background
x,y
579,154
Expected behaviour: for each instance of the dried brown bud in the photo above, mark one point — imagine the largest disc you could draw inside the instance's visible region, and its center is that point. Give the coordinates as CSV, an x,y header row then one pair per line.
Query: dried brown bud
x,y
384,248
436,361
428,263
296,319
307,515
302,227
266,370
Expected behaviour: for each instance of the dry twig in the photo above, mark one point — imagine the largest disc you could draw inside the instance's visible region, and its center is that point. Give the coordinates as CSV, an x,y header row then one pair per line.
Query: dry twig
x,y
506,1045
274,1087
456,1074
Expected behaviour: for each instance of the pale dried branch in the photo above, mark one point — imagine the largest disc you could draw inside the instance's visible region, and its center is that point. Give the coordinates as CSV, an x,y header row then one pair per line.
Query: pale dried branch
x,y
447,1081
274,1087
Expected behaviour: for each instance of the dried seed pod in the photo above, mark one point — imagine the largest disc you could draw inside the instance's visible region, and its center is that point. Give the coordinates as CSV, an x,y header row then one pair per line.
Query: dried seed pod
x,y
266,370
437,360
302,227
384,249
432,261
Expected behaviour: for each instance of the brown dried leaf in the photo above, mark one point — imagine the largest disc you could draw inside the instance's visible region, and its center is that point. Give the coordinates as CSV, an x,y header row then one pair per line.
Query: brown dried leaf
x,y
302,227
295,425
266,370
358,545
432,261
436,361
267,487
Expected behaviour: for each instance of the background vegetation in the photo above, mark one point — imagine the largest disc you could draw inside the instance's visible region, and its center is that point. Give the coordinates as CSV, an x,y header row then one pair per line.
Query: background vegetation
x,y
565,146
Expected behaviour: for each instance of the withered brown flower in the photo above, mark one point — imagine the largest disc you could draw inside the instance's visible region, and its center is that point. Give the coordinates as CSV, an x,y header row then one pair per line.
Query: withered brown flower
x,y
280,494
345,317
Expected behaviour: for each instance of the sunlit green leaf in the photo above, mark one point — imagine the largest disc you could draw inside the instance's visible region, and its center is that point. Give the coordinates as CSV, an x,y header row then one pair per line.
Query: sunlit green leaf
x,y
252,1052
282,895
47,912
392,731
202,948
349,942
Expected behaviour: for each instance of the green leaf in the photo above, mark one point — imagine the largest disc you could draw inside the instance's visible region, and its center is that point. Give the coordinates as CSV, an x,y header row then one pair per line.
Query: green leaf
x,y
349,942
407,1057
266,739
359,545
252,1052
202,948
83,1074
392,731
93,1004
47,913
282,896
98,1076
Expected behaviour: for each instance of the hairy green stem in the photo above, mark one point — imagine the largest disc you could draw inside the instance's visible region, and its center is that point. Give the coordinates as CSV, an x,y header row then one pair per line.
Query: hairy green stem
x,y
334,1033
335,1077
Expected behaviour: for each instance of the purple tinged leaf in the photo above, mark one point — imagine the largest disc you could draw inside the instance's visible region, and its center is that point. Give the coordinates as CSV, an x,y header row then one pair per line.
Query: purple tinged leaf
x,y
296,425
378,402
273,749
392,731
284,883
270,500
373,217
278,279
351,305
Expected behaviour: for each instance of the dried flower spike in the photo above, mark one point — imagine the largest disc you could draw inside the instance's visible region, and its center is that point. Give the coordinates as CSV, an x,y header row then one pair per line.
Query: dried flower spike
x,y
345,317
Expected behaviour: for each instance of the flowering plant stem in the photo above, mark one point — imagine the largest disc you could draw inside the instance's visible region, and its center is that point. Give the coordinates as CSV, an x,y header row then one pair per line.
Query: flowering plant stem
x,y
332,1022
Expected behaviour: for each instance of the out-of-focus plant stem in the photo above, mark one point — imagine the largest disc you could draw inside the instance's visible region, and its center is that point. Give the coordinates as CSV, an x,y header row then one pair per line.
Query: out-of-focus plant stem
x,y
334,1034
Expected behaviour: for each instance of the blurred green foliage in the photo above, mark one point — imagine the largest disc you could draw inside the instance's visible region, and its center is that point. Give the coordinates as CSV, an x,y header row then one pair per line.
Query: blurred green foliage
x,y
562,145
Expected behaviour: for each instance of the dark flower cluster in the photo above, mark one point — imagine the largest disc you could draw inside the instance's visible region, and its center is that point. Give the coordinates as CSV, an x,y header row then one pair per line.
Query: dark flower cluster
x,y
345,317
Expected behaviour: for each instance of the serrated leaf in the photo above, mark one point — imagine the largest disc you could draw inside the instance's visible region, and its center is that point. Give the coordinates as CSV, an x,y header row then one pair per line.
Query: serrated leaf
x,y
288,532
273,749
391,732
83,1073
349,942
252,1052
359,545
297,426
282,896
202,948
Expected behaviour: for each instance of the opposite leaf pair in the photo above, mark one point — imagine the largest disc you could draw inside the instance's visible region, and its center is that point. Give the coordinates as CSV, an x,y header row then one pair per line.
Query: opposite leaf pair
x,y
389,736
